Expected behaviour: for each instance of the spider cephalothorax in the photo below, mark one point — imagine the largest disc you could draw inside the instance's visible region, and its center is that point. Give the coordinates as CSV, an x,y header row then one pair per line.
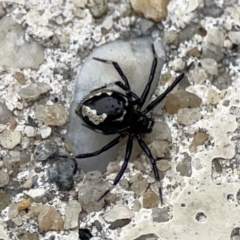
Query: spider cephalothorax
x,y
111,112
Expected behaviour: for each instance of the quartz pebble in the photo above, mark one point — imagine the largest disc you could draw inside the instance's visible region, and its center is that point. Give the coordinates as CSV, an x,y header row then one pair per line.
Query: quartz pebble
x,y
159,148
98,7
124,183
72,212
155,10
171,37
10,139
136,206
119,224
37,194
198,139
5,198
146,25
30,131
210,50
45,131
184,167
150,199
193,52
163,165
13,211
18,53
113,167
178,65
181,99
216,37
234,37
95,189
212,10
4,178
213,96
28,236
117,213
160,214
50,220
139,187
44,150
51,115
5,114
210,65
33,91
188,116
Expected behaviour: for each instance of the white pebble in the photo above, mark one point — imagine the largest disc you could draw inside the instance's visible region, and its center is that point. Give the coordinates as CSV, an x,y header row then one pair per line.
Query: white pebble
x,y
45,132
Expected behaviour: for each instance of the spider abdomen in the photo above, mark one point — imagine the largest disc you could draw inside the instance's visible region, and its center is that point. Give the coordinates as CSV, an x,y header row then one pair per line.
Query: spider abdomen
x,y
106,111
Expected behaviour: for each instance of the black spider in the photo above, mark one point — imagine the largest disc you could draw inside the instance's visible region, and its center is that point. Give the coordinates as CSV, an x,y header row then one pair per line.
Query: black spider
x,y
111,112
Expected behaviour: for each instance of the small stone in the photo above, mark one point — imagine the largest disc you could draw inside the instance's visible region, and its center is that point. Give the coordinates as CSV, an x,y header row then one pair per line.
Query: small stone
x,y
50,220
3,233
62,172
95,189
33,91
228,44
84,234
45,131
178,65
139,165
139,187
25,143
118,213
4,179
107,24
79,13
185,166
193,52
13,211
18,53
212,10
51,115
150,200
124,183
72,214
119,224
12,123
98,7
192,6
199,75
198,139
160,215
216,37
113,167
146,25
171,37
5,198
5,114
213,96
188,116
17,220
150,236
30,131
161,131
163,165
211,51
136,206
210,65
181,99
20,78
9,139
24,204
136,177
37,194
159,148
234,37
155,10
44,150
28,236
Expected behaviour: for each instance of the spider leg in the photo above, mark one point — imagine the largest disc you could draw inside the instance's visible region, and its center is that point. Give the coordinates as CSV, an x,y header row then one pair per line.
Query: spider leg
x,y
124,166
155,102
151,77
146,149
111,144
122,75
